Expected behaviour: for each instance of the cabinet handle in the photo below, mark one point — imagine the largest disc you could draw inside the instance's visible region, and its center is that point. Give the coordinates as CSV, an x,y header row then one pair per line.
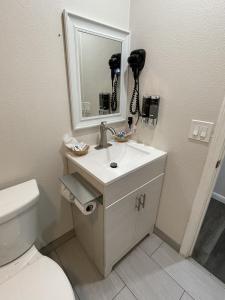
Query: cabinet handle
x,y
138,203
142,200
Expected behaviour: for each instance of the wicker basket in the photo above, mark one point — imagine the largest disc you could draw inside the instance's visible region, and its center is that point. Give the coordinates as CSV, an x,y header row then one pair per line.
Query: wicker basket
x,y
79,153
122,139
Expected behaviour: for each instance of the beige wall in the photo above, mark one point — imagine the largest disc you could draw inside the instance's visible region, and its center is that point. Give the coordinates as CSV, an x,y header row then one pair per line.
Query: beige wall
x,y
185,43
34,106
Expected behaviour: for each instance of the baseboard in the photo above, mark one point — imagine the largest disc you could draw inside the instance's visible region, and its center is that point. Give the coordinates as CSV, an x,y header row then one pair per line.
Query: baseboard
x,y
58,242
167,239
218,197
70,234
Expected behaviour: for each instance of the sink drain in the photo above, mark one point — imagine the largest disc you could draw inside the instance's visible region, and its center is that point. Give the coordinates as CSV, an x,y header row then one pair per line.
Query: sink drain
x,y
113,165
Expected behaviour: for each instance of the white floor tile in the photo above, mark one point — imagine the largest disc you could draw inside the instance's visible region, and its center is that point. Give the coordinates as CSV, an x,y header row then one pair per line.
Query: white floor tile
x,y
150,244
200,284
84,276
146,279
186,297
125,294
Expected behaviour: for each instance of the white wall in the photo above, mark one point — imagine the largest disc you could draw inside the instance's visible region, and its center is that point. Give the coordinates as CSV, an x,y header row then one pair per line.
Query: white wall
x,y
220,183
185,43
34,106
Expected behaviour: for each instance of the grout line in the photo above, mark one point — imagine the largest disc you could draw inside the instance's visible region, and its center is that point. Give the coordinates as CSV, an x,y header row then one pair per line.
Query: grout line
x,y
119,292
150,256
125,284
172,277
132,292
182,295
213,276
120,277
156,249
153,251
189,295
168,274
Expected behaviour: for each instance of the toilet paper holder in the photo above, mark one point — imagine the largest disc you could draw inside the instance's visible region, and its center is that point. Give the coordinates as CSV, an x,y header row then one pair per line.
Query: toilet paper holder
x,y
83,192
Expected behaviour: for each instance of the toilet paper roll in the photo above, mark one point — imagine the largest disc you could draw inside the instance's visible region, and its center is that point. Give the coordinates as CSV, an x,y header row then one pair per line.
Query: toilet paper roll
x,y
86,209
67,194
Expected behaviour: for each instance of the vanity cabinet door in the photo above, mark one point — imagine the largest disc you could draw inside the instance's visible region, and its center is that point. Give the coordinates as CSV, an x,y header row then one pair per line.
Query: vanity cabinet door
x,y
149,196
119,228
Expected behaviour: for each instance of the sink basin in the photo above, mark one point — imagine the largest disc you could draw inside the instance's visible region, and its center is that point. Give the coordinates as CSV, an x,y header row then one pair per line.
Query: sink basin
x,y
128,157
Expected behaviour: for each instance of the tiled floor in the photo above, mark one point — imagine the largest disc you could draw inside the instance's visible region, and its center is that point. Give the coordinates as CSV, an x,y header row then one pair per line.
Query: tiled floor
x,y
152,271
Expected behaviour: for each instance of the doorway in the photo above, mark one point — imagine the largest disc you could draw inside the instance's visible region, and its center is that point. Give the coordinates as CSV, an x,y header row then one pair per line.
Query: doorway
x,y
206,187
209,249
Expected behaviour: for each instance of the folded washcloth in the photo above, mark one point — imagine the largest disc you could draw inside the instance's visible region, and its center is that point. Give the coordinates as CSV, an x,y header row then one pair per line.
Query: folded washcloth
x,y
71,143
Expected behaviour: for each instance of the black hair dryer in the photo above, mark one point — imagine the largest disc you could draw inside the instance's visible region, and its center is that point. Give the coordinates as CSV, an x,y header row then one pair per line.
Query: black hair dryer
x,y
136,61
115,66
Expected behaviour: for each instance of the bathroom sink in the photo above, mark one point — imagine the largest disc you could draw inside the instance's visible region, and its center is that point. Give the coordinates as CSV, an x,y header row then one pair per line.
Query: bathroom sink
x,y
127,156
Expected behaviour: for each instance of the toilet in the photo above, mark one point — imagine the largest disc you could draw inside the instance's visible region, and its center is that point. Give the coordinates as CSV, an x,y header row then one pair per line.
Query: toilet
x,y
25,273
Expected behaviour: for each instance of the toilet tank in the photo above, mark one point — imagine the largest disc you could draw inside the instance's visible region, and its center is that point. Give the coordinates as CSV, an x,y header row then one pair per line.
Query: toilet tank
x,y
18,220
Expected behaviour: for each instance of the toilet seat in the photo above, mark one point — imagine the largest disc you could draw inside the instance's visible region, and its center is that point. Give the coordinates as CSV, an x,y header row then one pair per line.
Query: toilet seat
x,y
43,279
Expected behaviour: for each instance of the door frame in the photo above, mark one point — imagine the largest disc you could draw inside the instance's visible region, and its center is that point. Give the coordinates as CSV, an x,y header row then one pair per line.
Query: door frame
x,y
208,179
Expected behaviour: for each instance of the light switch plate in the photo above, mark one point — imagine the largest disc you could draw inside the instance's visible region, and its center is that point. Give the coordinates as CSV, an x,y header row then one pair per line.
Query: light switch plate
x,y
201,131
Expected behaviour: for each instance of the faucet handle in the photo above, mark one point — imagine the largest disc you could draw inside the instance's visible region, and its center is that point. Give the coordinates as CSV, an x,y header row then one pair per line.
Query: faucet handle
x,y
103,124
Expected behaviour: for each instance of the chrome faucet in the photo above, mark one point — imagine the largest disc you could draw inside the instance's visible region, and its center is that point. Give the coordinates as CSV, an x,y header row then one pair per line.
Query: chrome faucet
x,y
103,136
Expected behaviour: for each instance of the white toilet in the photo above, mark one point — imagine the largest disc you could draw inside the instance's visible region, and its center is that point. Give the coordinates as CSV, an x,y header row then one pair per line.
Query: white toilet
x,y
25,274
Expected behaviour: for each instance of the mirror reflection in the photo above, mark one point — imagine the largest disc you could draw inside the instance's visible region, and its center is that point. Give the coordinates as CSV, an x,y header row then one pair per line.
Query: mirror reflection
x,y
100,65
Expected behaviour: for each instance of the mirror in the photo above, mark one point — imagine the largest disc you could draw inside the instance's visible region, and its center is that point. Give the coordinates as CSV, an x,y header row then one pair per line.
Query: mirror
x,y
97,66
100,94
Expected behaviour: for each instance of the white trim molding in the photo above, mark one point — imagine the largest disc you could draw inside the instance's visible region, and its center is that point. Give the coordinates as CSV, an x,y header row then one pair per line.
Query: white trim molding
x,y
218,197
73,24
206,186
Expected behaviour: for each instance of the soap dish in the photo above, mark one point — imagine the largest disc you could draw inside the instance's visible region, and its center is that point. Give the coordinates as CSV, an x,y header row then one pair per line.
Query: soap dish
x,y
79,152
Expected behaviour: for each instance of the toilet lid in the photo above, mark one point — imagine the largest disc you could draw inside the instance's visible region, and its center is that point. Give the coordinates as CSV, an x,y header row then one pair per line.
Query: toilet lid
x,y
42,280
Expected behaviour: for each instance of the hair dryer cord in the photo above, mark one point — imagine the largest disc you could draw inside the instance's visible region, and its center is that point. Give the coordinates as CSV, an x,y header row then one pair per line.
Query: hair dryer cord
x,y
134,103
114,94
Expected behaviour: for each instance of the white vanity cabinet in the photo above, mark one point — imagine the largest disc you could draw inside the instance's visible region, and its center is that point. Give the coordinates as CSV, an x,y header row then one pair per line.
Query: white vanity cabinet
x,y
126,214
130,219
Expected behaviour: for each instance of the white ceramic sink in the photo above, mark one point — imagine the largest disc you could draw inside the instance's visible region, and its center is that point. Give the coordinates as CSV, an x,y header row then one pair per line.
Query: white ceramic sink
x,y
128,156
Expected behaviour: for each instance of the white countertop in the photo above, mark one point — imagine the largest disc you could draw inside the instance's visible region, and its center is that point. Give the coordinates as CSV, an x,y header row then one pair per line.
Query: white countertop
x,y
129,157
